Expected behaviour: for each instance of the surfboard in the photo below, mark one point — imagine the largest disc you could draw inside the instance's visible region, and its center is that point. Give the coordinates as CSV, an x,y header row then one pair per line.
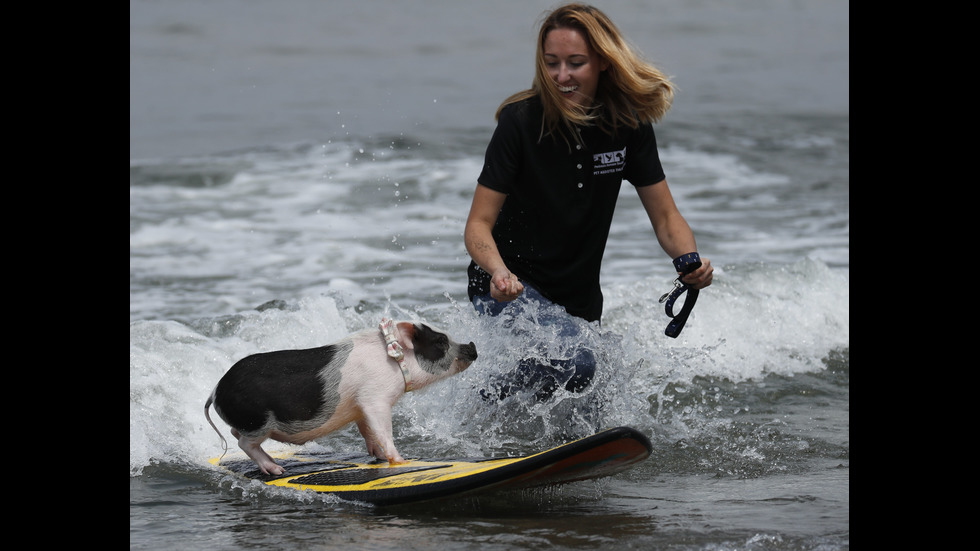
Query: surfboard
x,y
365,479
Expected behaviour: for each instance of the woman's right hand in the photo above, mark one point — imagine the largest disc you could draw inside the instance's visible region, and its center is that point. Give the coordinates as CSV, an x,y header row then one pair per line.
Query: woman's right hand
x,y
504,286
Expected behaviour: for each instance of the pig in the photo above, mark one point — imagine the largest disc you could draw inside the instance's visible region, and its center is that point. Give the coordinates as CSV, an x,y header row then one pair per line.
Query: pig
x,y
295,396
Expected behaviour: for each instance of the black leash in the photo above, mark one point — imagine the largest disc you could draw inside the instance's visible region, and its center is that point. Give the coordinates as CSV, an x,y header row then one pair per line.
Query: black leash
x,y
685,264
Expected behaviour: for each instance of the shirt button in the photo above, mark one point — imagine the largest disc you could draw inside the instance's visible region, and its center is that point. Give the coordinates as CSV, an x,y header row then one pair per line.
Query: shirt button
x,y
578,166
580,185
578,146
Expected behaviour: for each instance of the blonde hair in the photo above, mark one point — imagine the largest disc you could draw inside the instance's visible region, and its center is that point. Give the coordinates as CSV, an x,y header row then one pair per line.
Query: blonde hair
x,y
630,92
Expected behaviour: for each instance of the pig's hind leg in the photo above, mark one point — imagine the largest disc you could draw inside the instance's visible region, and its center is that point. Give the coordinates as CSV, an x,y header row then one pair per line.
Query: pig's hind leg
x,y
253,449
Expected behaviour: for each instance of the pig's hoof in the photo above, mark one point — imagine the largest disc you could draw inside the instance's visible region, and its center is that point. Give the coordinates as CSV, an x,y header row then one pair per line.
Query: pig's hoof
x,y
273,469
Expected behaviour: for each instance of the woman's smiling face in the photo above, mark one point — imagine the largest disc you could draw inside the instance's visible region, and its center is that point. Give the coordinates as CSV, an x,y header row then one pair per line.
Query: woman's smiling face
x,y
573,65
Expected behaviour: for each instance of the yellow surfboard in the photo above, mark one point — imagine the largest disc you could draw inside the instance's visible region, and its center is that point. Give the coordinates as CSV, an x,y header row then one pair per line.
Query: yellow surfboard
x,y
362,478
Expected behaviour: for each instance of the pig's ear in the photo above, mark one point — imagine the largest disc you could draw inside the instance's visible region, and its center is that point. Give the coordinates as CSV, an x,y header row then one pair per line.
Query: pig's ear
x,y
406,335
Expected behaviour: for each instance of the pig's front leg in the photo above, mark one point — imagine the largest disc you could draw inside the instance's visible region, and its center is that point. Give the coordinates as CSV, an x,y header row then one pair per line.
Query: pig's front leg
x,y
372,444
376,429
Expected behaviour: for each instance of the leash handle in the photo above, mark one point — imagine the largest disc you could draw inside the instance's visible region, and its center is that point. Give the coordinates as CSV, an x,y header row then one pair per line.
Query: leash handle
x,y
685,264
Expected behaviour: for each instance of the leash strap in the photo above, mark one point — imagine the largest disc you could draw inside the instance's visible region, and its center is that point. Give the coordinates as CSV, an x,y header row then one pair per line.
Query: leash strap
x,y
395,350
685,264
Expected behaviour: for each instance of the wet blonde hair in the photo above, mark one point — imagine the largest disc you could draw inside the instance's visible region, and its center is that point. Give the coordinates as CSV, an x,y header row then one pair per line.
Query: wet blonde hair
x,y
630,91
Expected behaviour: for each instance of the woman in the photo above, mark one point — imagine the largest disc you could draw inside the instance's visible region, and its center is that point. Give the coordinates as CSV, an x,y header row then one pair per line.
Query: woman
x,y
544,201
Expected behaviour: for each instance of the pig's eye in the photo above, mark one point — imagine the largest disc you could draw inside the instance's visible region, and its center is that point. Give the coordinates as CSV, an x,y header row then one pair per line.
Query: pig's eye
x,y
430,344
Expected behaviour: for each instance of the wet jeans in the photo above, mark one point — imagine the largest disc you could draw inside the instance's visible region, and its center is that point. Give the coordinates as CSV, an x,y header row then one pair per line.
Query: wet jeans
x,y
543,377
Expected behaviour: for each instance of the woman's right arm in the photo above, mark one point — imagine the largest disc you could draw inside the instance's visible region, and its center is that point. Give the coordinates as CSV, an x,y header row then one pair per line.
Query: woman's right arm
x,y
478,237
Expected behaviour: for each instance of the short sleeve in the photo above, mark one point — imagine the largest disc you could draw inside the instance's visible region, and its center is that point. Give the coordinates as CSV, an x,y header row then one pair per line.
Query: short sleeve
x,y
502,160
644,167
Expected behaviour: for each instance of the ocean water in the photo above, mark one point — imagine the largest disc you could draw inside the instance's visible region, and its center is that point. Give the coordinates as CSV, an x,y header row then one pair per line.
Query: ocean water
x,y
299,169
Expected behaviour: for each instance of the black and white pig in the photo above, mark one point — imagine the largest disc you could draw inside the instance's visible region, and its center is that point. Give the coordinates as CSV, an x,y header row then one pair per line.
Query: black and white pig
x,y
295,396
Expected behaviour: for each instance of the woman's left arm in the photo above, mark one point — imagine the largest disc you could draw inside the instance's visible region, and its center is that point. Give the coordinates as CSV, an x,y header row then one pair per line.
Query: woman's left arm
x,y
673,232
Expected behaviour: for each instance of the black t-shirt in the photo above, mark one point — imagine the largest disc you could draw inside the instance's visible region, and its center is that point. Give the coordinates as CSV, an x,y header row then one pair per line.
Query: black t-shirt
x,y
552,229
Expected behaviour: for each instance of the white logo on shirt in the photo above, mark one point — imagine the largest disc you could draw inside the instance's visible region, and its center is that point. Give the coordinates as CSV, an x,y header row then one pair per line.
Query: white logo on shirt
x,y
613,161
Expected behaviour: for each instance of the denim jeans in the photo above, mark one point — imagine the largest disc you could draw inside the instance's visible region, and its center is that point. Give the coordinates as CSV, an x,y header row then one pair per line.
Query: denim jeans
x,y
543,377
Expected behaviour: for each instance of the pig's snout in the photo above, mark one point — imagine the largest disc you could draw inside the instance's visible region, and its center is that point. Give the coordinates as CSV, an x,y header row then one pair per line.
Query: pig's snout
x,y
467,354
